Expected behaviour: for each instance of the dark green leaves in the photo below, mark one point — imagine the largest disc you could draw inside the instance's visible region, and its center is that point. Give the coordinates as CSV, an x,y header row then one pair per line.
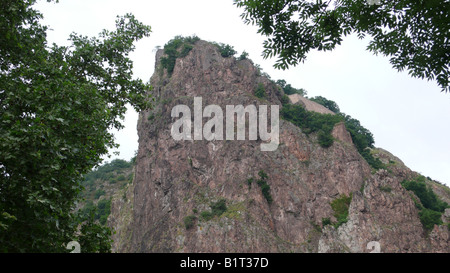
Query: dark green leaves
x,y
340,207
414,34
426,195
265,188
178,47
260,91
311,122
57,105
430,206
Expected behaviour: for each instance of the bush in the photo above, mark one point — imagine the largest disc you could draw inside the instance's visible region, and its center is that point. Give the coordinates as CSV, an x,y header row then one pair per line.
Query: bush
x,y
432,207
103,210
178,47
425,194
243,56
285,99
106,171
325,222
225,50
219,207
206,215
311,122
99,193
361,137
324,136
429,218
340,207
371,160
100,212
289,90
185,51
265,188
331,105
249,182
189,221
260,91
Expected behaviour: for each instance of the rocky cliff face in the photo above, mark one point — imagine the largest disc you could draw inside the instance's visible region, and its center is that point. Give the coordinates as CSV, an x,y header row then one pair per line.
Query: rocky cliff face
x,y
170,207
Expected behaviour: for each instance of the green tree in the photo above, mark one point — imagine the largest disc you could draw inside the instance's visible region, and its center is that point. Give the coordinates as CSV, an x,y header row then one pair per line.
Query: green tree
x,y
285,99
243,56
93,237
219,207
340,207
413,33
225,50
311,122
431,207
289,90
260,91
57,105
429,218
363,140
426,195
331,105
178,47
189,221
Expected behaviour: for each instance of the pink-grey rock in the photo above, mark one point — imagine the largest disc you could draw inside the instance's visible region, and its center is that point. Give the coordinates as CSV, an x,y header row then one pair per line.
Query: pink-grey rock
x,y
177,179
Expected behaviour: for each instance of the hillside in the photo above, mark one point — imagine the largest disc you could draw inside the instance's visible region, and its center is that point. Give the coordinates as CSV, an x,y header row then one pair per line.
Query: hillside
x,y
101,184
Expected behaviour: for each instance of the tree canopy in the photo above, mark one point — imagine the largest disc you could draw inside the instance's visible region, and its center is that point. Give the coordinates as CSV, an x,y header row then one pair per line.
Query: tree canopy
x,y
413,33
57,105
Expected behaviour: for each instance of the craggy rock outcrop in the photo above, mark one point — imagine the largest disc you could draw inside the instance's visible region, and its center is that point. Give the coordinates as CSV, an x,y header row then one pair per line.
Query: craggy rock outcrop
x,y
175,182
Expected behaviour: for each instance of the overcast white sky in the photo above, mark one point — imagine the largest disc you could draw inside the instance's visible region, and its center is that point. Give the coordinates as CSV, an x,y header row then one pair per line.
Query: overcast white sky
x,y
408,117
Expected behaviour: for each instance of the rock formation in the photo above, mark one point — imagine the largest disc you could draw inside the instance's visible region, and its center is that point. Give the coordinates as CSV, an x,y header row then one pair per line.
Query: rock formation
x,y
169,207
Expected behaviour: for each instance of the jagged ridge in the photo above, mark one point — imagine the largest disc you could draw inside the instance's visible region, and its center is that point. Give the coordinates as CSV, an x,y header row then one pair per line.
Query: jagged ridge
x,y
178,179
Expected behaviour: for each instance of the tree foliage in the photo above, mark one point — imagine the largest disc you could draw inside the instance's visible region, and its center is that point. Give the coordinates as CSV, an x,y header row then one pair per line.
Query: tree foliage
x,y
243,56
265,188
323,124
260,91
219,207
178,47
431,207
331,105
57,105
311,122
225,50
413,33
426,195
107,170
340,207
289,90
363,140
100,211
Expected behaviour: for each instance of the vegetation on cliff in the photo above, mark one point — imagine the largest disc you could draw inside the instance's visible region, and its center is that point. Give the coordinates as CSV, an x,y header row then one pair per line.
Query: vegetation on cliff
x,y
262,183
311,122
100,185
430,206
340,208
178,47
308,121
361,136
289,90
